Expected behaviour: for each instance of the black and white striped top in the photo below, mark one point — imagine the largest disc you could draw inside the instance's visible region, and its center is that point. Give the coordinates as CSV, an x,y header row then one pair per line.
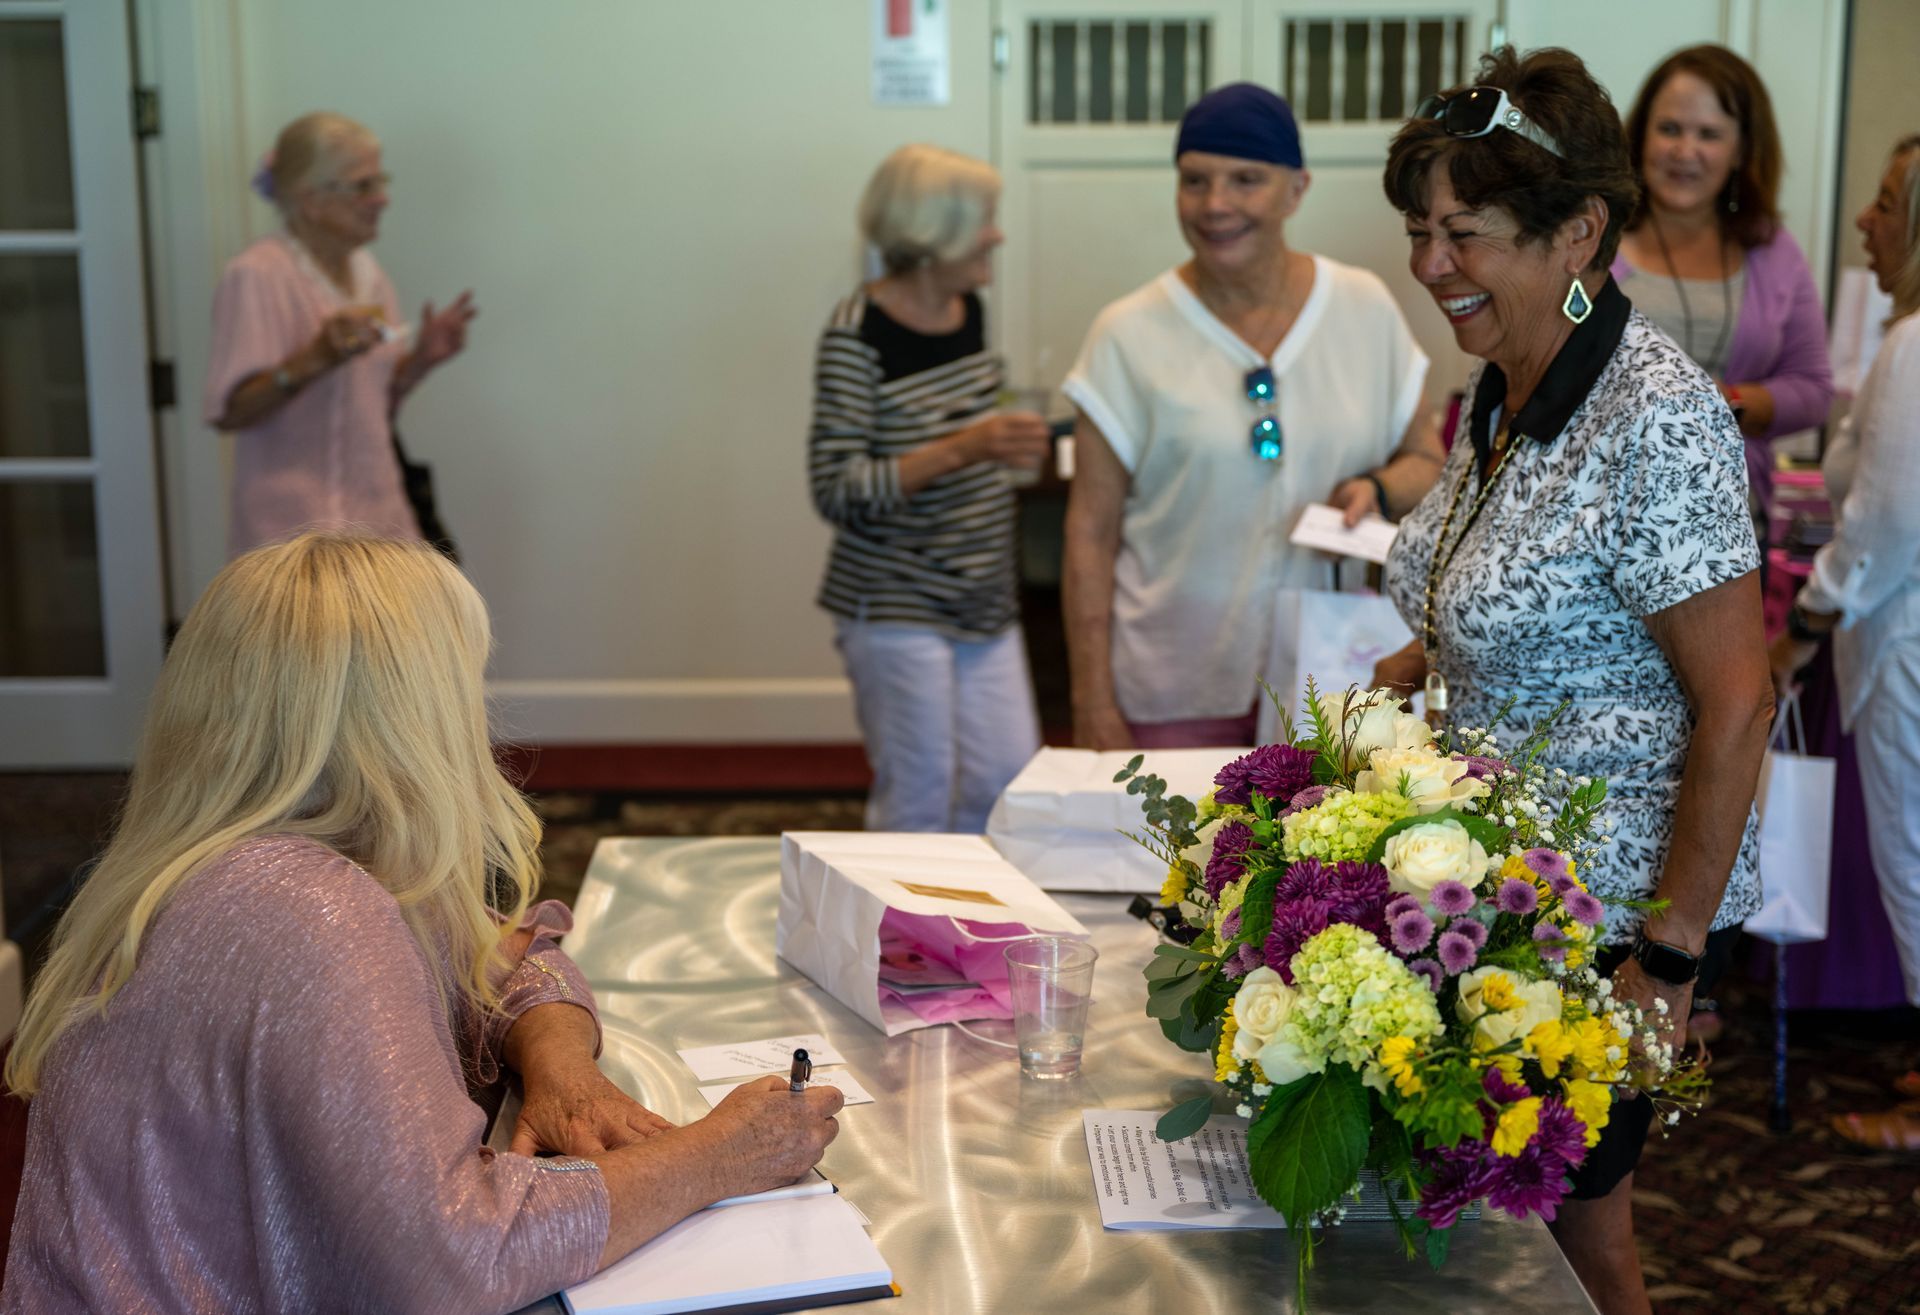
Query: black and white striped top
x,y
945,556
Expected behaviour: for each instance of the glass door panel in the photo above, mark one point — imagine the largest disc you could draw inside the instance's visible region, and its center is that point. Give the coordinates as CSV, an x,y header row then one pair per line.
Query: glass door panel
x,y
36,157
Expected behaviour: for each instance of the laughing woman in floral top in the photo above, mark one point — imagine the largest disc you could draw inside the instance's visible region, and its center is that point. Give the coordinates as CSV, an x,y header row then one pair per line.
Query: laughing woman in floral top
x,y
1587,542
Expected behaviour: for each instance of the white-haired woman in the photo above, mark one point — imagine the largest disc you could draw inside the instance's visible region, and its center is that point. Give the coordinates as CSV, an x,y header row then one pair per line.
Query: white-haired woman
x,y
251,1051
1865,590
908,460
310,358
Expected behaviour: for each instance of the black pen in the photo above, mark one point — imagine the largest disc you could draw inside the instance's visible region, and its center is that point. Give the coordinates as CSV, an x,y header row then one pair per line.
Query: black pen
x,y
802,1070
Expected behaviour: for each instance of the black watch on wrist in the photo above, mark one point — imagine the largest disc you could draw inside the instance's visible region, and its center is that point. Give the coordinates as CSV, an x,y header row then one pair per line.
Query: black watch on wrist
x,y
1666,963
1797,626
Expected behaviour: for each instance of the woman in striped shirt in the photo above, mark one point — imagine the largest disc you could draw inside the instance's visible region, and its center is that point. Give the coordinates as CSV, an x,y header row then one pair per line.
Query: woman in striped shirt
x,y
908,459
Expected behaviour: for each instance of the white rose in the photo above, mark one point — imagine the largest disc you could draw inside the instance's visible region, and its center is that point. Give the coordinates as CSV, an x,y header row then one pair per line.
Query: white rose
x,y
1431,781
1283,1061
1376,719
1421,857
1537,1003
1260,1010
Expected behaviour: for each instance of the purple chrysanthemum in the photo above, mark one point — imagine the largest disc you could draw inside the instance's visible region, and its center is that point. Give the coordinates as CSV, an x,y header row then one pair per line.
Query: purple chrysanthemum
x,y
1228,862
1549,863
1360,894
1278,771
1481,768
1230,926
1461,1177
1517,897
1304,799
1401,903
1501,1089
1244,960
1584,908
1430,970
1561,1134
1529,1182
1562,882
1412,931
1294,924
1306,879
1471,928
1555,948
1450,897
1457,953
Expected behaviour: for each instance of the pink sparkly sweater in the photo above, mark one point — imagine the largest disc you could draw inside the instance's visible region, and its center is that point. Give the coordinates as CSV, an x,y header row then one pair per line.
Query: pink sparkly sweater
x,y
273,1116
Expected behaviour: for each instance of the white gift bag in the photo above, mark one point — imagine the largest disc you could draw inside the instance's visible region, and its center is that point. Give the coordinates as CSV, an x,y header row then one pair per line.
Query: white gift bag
x,y
1795,802
1335,638
951,898
1060,820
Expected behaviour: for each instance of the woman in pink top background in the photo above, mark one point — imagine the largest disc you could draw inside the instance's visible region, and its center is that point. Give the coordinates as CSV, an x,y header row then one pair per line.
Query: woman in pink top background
x,y
311,357
252,1051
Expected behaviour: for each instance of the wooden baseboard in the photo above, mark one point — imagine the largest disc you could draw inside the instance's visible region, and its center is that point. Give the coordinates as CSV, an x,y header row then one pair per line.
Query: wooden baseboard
x,y
690,768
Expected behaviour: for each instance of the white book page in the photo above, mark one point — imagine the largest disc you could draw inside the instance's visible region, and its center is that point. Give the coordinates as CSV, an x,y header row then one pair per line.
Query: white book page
x,y
1200,1181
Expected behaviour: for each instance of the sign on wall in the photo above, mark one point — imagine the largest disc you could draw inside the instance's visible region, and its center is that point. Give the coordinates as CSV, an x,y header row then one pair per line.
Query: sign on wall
x,y
910,53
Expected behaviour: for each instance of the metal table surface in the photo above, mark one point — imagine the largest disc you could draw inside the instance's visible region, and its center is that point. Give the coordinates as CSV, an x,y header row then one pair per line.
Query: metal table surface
x,y
976,1179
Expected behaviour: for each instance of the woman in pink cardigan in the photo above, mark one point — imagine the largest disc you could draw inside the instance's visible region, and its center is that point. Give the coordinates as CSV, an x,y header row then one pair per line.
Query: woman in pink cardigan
x,y
1705,256
252,1051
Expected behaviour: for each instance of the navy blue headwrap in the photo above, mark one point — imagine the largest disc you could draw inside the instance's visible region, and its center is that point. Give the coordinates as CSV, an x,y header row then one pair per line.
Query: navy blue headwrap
x,y
1245,121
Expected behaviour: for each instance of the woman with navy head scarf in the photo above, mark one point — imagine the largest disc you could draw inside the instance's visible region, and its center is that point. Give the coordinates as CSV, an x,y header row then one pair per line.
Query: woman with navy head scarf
x,y
1215,403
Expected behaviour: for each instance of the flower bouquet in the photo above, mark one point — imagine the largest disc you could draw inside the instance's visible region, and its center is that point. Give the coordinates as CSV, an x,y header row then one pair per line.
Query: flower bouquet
x,y
1393,971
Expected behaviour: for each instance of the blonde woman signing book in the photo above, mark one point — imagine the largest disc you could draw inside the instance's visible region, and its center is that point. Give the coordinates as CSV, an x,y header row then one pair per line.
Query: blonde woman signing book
x,y
251,1052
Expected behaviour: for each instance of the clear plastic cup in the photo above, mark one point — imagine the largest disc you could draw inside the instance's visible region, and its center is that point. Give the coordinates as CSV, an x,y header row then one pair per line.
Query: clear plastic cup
x,y
1051,980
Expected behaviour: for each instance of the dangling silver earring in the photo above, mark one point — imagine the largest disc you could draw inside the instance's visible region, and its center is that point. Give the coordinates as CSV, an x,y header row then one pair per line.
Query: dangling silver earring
x,y
1578,304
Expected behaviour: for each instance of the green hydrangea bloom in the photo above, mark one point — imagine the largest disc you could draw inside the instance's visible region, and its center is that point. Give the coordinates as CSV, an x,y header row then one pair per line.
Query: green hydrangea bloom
x,y
1342,827
1353,995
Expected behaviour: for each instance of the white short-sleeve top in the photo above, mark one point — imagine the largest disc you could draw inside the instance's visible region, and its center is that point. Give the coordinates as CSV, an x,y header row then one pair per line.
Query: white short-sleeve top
x,y
1204,530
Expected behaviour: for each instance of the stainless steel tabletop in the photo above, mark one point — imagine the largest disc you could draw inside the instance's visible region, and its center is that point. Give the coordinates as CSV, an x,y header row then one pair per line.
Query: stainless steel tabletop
x,y
976,1179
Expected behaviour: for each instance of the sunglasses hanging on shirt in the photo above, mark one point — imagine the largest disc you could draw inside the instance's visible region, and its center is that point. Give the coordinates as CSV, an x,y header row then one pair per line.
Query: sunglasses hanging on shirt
x,y
1265,435
1477,111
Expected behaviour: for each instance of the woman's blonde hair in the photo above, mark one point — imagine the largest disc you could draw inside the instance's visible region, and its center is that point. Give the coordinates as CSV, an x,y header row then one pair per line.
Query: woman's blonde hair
x,y
926,204
1905,284
329,687
309,150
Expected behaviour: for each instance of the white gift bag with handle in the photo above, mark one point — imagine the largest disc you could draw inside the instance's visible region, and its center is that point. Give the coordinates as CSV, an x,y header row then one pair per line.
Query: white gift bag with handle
x,y
1335,638
1795,802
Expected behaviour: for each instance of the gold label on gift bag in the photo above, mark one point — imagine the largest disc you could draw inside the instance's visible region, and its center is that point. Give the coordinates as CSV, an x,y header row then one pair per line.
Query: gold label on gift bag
x,y
952,893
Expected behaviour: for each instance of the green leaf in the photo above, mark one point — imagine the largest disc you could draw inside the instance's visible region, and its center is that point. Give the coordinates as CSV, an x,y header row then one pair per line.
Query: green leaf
x,y
1182,952
1491,835
1133,765
1256,910
1184,1119
1306,1149
1437,1242
1160,970
1194,1030
1166,998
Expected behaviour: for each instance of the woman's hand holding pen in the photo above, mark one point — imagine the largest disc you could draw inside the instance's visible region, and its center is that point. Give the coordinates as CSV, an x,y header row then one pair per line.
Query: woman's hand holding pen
x,y
771,1134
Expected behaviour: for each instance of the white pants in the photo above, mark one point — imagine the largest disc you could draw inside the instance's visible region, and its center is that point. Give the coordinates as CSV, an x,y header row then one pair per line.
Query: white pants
x,y
1889,755
948,722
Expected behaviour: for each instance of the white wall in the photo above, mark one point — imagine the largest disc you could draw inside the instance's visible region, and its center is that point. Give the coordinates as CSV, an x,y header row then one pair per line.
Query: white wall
x,y
653,202
1881,107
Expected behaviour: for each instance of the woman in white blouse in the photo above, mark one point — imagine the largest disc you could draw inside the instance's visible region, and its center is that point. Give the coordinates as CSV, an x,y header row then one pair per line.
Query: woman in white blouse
x,y
1215,403
1866,587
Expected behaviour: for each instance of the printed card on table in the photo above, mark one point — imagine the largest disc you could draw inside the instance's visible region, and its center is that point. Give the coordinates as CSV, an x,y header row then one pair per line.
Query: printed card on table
x,y
745,1059
1200,1181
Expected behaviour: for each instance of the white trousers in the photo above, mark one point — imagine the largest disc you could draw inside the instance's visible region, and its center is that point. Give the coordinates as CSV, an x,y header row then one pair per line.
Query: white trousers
x,y
1884,740
947,722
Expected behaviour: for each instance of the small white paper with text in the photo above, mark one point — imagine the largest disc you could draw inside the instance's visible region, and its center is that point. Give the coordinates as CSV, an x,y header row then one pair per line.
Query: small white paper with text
x,y
848,1084
751,1058
1325,528
1201,1181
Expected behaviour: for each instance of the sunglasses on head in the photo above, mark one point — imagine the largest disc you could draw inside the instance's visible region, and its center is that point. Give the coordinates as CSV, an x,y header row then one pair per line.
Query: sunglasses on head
x,y
1265,434
1477,111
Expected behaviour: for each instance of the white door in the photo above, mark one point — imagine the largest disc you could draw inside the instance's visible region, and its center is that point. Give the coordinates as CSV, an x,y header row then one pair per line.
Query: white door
x,y
82,615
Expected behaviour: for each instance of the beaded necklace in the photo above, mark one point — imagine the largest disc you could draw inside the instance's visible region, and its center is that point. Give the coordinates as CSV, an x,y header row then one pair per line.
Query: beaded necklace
x,y
1436,687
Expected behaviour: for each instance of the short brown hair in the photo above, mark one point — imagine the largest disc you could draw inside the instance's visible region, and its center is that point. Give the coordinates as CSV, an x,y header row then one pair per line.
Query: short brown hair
x,y
1755,184
1540,190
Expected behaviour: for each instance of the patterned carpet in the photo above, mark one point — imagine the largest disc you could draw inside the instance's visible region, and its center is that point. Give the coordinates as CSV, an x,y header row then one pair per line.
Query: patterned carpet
x,y
1731,1216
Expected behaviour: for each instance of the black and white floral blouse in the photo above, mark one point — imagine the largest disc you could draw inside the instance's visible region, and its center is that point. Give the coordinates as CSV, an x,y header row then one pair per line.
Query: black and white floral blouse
x,y
1626,492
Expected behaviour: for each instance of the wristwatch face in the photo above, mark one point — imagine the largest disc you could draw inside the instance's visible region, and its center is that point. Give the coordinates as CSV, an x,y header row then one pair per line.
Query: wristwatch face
x,y
1674,967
